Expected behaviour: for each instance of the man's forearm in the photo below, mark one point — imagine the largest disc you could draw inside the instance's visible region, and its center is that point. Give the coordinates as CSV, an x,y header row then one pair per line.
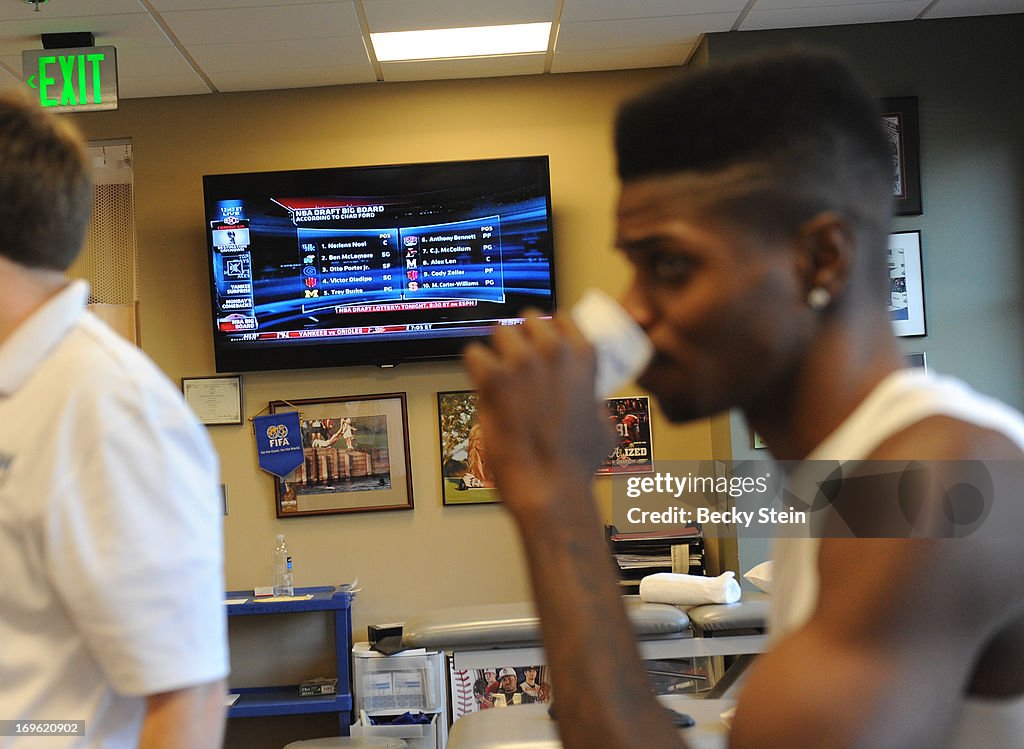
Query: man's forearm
x,y
589,641
191,718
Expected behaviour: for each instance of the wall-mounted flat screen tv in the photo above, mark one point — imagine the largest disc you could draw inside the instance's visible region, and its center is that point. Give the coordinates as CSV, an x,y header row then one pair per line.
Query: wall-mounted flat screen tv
x,y
374,265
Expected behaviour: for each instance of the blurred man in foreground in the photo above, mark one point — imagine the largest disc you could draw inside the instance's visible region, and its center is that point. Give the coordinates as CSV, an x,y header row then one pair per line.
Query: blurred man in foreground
x,y
754,210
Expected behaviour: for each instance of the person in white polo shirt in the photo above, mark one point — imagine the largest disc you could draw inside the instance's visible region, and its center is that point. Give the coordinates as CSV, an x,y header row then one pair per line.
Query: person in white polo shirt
x,y
112,619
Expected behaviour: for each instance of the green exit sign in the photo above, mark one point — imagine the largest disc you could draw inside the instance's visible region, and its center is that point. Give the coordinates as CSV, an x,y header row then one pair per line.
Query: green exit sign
x,y
70,80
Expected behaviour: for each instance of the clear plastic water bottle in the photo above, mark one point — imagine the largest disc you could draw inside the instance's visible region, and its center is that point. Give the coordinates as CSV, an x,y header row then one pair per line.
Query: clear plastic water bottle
x,y
283,585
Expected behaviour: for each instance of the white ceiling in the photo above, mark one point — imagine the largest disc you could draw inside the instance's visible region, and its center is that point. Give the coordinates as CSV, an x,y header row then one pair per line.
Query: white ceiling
x,y
178,47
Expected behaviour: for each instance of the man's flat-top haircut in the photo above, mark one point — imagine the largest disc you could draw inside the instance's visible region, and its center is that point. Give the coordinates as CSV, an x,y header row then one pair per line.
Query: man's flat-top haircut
x,y
45,187
801,119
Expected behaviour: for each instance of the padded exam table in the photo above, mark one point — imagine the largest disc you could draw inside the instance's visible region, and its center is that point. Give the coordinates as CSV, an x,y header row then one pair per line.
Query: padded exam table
x,y
509,634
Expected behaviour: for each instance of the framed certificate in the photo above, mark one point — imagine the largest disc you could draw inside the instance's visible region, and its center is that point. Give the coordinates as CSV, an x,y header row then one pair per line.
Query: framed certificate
x,y
214,400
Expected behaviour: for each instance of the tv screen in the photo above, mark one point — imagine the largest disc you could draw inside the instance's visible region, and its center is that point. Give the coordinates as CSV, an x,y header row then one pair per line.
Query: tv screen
x,y
374,265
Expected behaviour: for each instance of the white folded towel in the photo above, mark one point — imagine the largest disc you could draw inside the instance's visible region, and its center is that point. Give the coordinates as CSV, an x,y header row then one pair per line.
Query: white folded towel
x,y
689,590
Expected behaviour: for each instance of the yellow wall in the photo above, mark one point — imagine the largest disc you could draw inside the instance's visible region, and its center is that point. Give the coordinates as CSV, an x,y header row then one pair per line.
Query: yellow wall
x,y
431,556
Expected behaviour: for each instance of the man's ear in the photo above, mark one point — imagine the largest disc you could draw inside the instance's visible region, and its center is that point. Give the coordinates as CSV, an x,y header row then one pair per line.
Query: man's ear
x,y
824,245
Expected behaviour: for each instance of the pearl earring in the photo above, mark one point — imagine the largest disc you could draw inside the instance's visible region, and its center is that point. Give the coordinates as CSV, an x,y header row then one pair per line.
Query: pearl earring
x,y
818,298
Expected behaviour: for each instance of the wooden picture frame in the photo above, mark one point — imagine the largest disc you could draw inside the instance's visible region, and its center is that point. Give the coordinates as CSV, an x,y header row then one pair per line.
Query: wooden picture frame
x,y
465,477
356,456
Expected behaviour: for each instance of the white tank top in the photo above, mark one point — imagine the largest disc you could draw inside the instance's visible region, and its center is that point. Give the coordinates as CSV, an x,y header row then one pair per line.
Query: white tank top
x,y
901,399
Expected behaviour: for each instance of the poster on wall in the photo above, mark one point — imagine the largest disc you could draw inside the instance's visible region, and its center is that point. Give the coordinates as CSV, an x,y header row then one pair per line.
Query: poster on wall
x,y
465,475
634,451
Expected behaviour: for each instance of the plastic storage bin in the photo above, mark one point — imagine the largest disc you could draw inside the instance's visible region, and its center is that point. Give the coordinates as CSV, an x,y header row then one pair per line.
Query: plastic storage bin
x,y
397,683
418,736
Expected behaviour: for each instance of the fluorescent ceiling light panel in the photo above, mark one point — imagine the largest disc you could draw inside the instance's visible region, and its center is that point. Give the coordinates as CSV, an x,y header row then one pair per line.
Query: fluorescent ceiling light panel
x,y
473,41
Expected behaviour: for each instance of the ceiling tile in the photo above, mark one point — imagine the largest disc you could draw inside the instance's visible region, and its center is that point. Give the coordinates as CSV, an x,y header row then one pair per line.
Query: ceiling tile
x,y
147,62
219,26
152,63
639,32
256,80
161,85
238,6
828,15
957,8
272,44
282,54
760,5
17,10
405,15
470,67
10,71
608,10
623,58
120,30
131,31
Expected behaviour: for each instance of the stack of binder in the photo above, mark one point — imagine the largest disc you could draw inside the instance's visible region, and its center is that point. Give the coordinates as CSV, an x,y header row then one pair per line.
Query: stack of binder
x,y
640,554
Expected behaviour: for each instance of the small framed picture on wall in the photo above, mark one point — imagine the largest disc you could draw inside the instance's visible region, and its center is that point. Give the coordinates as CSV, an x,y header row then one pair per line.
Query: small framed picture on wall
x,y
634,449
466,478
899,117
906,284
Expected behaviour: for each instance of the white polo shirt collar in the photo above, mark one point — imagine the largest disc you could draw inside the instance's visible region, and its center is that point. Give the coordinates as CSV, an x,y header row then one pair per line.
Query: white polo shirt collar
x,y
35,338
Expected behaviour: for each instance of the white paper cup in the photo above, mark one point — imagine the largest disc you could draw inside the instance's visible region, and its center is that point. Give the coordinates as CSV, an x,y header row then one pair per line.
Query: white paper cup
x,y
620,345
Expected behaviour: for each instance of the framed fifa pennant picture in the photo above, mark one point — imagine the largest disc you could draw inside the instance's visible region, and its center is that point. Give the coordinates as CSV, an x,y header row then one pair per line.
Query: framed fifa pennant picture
x,y
355,456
